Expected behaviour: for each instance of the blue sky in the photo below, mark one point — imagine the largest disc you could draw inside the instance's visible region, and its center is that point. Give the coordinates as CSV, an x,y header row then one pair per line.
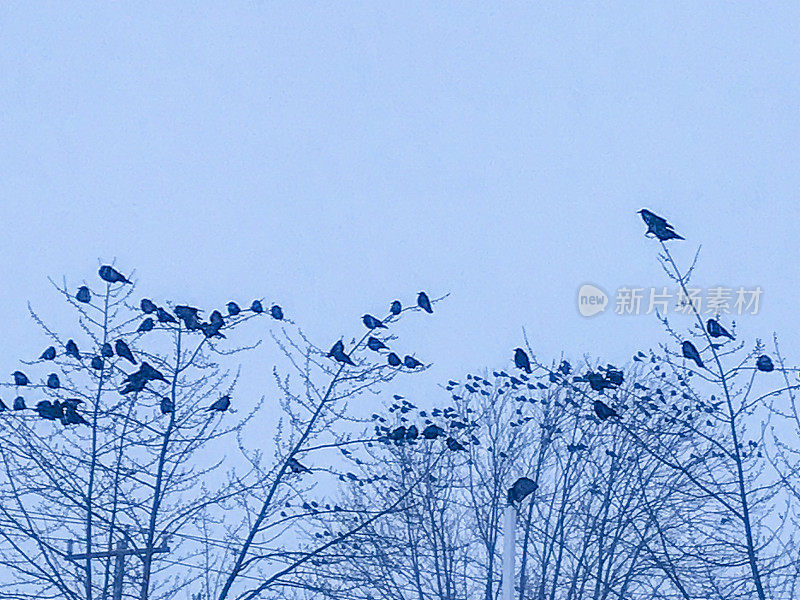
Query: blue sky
x,y
334,156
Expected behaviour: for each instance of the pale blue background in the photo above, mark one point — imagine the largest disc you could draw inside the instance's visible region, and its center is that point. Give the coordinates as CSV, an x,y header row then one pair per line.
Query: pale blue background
x,y
332,157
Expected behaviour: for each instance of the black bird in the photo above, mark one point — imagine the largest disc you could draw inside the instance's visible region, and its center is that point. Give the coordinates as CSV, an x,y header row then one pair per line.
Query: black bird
x,y
148,306
97,362
295,466
216,319
146,325
411,433
52,381
256,306
20,378
48,410
164,317
374,343
111,275
398,434
597,382
411,362
72,350
522,488
150,373
396,307
454,445
107,351
70,416
521,360
189,316
276,312
337,352
393,359
83,295
123,351
603,411
764,363
216,322
658,226
19,403
716,330
221,405
48,354
424,302
233,309
166,405
371,322
72,402
431,432
690,352
2,405
615,376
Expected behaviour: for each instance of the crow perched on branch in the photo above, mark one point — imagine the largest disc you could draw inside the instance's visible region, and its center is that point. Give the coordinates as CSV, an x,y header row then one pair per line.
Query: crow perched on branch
x,y
111,275
337,352
690,352
371,322
522,488
658,226
521,360
83,295
603,411
716,330
396,307
221,405
424,302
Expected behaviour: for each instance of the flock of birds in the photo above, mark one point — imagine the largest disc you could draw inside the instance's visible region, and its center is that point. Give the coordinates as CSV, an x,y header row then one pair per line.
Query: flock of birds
x,y
66,410
374,343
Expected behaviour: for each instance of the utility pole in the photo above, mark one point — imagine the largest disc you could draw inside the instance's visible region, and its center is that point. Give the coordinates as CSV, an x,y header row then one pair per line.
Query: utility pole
x,y
118,555
509,545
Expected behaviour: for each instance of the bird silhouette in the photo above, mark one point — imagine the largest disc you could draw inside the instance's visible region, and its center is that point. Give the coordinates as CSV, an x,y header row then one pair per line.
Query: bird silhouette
x,y
20,378
189,316
233,309
411,362
166,405
48,410
106,351
83,295
614,376
111,275
71,416
256,306
658,226
146,325
393,359
48,354
431,432
97,362
411,433
398,434
764,363
690,352
276,312
371,322
164,317
597,382
53,382
716,330
72,350
454,445
221,405
216,319
521,360
295,466
424,302
337,352
396,307
150,373
148,306
522,488
19,403
123,351
603,411
374,343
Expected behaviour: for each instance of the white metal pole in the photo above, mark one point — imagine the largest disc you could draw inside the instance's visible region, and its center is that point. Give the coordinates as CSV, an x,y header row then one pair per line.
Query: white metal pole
x,y
509,546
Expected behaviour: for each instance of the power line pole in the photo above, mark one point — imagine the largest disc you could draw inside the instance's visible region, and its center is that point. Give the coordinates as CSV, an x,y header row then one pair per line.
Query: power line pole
x,y
118,555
